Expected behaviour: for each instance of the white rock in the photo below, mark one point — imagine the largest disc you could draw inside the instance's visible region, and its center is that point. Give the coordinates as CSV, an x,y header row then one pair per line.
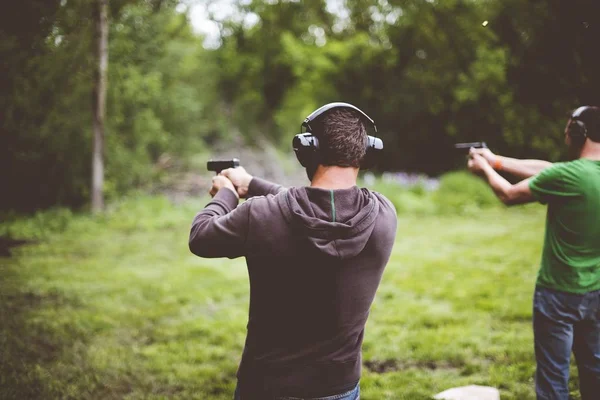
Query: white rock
x,y
471,392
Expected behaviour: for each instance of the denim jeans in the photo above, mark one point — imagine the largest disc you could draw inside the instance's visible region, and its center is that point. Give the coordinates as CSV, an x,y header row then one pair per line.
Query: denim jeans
x,y
353,394
565,322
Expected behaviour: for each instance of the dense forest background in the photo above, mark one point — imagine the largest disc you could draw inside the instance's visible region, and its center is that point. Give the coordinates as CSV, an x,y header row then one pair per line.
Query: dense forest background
x,y
429,72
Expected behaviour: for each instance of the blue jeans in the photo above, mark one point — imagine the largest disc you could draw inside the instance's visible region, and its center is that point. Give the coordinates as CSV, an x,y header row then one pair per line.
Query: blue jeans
x,y
353,394
565,322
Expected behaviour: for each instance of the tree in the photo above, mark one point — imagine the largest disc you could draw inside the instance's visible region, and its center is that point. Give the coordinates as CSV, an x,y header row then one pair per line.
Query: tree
x,y
99,106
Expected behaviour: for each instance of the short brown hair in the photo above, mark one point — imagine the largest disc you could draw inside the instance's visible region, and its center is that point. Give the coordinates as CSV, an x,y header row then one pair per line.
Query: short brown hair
x,y
342,138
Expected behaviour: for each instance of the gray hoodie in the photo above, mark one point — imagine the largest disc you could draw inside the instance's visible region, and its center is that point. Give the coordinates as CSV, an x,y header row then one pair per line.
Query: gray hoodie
x,y
315,259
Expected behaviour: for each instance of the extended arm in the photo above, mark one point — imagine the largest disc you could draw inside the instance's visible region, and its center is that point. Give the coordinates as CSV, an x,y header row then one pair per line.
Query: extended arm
x,y
262,187
519,168
248,186
508,193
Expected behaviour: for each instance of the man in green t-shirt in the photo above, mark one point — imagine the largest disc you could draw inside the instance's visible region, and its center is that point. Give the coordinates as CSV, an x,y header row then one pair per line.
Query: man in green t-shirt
x,y
566,309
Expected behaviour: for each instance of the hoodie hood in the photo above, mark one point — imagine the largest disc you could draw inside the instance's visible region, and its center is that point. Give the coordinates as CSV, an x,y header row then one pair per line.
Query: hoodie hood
x,y
336,222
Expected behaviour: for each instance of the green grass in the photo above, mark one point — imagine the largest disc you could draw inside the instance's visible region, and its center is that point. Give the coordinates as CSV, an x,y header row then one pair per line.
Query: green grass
x,y
115,307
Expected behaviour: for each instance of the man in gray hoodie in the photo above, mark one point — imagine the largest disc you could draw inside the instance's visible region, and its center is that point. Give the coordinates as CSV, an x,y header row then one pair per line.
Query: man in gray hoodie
x,y
315,258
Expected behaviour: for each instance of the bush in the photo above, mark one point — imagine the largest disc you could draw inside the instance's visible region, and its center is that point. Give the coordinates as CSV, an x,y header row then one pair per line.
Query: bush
x,y
462,192
458,192
136,212
411,199
407,202
38,226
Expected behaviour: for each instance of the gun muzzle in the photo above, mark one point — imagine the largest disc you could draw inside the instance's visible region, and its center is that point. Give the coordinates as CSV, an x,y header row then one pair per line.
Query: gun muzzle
x,y
477,145
220,165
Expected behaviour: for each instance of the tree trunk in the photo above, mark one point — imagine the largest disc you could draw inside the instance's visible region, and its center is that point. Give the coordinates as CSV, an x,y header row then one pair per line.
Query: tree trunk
x,y
99,106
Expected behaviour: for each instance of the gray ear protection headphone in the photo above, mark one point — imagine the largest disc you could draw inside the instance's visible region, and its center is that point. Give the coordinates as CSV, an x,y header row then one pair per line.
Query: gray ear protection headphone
x,y
576,128
306,145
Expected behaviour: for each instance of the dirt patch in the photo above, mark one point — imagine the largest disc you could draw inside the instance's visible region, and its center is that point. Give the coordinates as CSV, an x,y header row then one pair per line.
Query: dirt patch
x,y
6,244
383,366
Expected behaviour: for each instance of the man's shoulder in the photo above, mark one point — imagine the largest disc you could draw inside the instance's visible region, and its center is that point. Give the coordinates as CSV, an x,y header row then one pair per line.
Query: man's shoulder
x,y
560,169
574,170
578,163
573,165
384,201
567,179
387,219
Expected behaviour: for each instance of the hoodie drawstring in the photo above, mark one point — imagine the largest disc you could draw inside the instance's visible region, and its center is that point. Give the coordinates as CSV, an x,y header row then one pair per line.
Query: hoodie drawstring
x,y
332,207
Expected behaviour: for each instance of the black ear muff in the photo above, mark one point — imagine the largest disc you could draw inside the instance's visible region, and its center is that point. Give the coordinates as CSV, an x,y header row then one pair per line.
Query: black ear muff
x,y
577,129
306,147
374,148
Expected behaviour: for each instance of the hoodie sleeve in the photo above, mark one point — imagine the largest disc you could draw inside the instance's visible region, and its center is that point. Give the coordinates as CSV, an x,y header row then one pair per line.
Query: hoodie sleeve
x,y
220,229
262,187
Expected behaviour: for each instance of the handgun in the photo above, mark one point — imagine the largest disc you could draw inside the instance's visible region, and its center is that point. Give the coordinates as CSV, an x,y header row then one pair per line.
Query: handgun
x,y
220,165
467,146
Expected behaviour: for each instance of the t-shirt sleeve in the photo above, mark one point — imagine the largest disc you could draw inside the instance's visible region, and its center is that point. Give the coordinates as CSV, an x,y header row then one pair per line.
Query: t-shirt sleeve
x,y
555,182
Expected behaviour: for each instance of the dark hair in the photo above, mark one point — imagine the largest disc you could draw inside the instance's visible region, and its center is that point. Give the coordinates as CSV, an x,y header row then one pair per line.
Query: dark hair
x,y
591,118
342,138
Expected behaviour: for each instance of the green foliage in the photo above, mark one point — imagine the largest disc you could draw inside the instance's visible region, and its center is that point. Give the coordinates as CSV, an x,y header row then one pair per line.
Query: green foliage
x,y
159,101
458,193
410,201
461,192
429,73
40,225
407,202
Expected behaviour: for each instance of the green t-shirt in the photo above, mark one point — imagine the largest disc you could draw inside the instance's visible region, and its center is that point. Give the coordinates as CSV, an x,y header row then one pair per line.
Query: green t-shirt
x,y
571,255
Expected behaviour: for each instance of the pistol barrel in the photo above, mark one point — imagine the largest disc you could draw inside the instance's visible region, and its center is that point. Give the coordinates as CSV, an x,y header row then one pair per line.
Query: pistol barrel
x,y
220,165
477,145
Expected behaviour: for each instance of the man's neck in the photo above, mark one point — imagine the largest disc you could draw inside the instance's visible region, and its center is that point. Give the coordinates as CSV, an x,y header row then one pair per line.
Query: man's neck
x,y
591,150
332,177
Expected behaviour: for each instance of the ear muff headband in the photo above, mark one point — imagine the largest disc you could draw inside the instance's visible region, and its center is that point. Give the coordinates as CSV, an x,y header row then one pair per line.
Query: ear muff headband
x,y
577,113
315,114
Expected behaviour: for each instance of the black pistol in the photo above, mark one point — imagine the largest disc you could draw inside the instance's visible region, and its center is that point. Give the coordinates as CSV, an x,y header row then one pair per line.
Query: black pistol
x,y
220,165
467,146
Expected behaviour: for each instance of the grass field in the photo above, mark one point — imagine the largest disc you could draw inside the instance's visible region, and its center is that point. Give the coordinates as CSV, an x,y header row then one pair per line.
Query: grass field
x,y
115,307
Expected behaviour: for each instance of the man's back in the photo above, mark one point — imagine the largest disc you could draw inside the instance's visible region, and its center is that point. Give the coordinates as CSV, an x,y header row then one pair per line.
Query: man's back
x,y
315,259
571,256
315,264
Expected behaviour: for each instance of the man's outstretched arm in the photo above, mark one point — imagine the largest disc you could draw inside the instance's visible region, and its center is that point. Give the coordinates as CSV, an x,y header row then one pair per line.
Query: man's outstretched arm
x,y
508,193
248,186
514,166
